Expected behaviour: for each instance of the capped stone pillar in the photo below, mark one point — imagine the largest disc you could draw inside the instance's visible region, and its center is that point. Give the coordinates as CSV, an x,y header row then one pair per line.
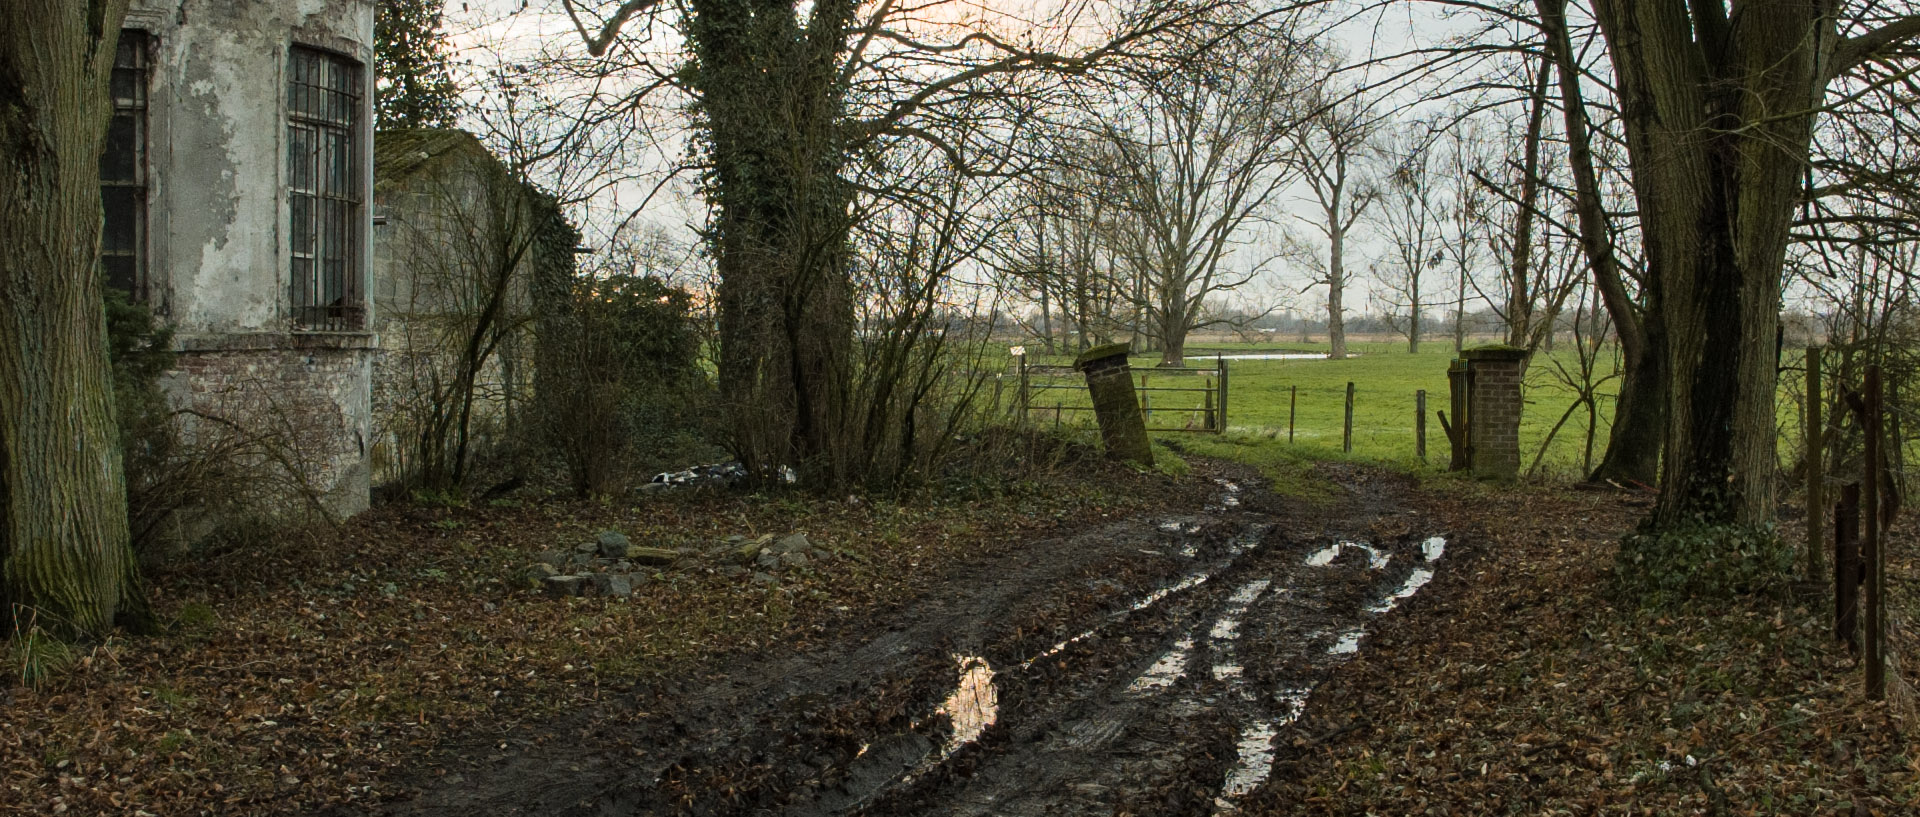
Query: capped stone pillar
x,y
1110,382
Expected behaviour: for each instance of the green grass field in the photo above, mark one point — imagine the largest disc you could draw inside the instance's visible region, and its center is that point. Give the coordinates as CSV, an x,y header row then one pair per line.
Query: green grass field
x,y
1263,403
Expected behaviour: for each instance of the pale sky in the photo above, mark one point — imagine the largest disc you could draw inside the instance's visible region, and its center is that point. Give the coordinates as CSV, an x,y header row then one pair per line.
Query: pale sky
x,y
487,33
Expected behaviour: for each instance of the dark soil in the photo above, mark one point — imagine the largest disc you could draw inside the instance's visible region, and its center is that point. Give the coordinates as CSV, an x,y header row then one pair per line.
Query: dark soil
x,y
1072,628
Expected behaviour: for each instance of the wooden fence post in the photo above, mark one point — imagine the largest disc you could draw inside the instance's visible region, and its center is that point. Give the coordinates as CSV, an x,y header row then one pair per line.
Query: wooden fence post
x,y
1221,362
1293,403
1346,431
1420,423
1813,418
1846,565
1870,548
1023,402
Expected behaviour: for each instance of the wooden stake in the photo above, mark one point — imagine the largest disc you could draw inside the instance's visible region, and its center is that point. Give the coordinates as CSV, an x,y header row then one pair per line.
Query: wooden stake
x,y
1420,423
1346,431
1816,464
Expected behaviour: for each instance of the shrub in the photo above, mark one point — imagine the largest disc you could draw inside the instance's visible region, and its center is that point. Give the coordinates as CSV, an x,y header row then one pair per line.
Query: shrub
x,y
622,385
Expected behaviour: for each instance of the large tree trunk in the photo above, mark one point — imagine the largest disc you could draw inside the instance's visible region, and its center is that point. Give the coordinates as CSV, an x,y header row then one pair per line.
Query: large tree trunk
x,y
66,563
1718,119
772,106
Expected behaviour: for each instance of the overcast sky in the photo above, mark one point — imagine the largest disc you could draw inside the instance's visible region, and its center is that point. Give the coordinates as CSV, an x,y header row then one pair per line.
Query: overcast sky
x,y
487,32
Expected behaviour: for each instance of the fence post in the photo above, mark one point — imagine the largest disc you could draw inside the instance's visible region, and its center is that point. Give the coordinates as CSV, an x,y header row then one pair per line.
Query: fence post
x,y
1293,402
1023,402
1346,431
1146,400
1846,564
1420,423
1870,550
1221,362
1816,466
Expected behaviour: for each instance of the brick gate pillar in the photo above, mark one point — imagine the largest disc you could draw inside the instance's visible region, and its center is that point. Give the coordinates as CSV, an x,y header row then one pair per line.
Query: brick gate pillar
x,y
1493,413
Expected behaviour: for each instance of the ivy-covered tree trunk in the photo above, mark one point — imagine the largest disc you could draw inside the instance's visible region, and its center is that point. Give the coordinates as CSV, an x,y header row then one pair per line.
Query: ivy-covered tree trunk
x,y
66,563
773,102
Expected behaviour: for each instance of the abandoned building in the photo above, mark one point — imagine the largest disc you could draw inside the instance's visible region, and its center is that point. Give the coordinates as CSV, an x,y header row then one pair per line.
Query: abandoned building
x,y
323,313
455,244
235,196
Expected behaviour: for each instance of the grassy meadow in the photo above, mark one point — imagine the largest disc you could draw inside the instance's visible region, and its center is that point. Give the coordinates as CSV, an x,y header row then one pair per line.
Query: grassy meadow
x,y
1262,403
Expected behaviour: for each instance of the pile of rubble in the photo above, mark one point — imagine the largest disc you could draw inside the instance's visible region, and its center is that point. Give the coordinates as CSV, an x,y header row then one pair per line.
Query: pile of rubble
x,y
612,565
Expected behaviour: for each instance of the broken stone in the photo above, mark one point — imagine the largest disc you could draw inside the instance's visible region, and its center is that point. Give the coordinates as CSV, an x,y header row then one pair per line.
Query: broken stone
x,y
792,543
566,585
612,584
535,575
796,558
586,547
612,543
651,556
763,577
768,559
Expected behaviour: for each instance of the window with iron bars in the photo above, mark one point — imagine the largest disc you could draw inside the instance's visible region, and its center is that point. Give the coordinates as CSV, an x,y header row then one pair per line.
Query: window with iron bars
x,y
325,190
123,171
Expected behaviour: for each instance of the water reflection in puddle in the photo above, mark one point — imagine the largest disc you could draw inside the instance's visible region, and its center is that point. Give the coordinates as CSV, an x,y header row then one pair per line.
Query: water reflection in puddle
x,y
974,704
1349,642
1253,759
1376,558
1415,580
1165,671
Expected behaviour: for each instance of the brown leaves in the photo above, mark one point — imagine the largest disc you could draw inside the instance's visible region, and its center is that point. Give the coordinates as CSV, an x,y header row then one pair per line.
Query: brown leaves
x,y
1527,691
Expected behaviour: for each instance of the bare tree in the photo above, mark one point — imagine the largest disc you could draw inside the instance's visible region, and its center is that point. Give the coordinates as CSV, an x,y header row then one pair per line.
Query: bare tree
x,y
1330,147
791,100
1409,219
1199,155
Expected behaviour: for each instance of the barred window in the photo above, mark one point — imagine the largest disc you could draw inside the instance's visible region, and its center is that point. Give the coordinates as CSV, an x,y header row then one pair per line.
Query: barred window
x,y
325,193
123,171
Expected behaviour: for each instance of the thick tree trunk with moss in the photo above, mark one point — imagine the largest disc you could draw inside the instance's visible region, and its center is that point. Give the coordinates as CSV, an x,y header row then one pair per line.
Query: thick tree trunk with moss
x,y
65,560
773,105
1719,113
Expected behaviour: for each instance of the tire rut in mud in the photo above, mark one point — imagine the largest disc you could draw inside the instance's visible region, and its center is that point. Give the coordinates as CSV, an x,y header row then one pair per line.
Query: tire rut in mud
x,y
1146,666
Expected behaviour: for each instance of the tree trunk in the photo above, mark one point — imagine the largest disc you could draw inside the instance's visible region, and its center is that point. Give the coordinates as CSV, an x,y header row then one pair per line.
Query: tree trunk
x,y
1336,288
1413,318
1634,443
1718,120
66,563
1520,326
772,104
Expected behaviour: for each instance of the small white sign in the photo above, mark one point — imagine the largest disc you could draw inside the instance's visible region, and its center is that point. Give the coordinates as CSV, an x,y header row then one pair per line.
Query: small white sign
x,y
1018,351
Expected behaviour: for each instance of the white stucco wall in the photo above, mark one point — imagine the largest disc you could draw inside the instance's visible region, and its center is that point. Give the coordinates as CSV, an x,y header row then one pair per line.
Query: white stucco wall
x,y
218,154
218,239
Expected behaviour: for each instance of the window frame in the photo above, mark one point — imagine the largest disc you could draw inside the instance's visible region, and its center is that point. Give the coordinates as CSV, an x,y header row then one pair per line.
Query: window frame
x,y
135,111
326,186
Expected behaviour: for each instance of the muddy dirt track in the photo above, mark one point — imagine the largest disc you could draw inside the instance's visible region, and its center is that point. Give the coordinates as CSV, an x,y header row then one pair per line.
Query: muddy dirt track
x,y
1144,666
